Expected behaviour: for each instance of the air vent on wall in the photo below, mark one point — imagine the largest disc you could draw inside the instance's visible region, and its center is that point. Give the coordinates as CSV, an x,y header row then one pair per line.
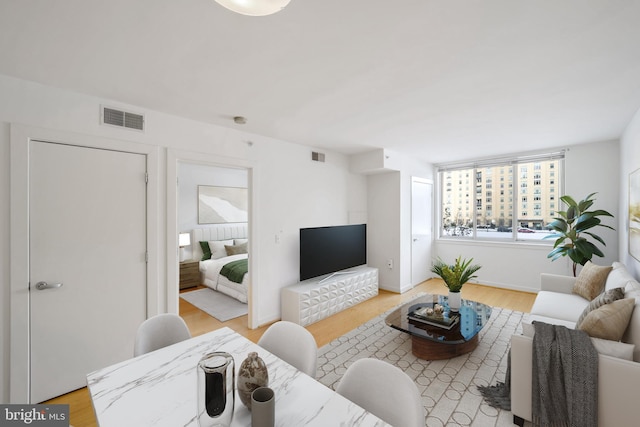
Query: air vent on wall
x,y
111,116
317,157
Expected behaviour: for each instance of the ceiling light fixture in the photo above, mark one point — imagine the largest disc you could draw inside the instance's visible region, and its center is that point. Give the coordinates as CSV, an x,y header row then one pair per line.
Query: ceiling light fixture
x,y
254,7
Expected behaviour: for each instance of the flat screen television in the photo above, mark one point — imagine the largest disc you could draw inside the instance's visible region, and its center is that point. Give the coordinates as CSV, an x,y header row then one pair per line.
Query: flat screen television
x,y
325,250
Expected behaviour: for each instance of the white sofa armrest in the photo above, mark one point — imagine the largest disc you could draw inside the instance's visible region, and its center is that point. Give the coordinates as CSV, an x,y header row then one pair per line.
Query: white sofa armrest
x,y
556,283
618,390
521,375
618,385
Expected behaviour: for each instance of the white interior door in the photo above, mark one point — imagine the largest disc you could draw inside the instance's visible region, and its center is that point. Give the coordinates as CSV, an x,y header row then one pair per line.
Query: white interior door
x,y
87,232
421,229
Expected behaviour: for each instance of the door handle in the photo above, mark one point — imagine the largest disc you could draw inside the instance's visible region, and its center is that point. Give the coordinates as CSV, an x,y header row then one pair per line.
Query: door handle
x,y
41,286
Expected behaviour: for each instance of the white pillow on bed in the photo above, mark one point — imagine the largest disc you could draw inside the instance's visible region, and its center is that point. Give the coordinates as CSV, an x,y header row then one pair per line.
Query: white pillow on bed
x,y
217,248
237,242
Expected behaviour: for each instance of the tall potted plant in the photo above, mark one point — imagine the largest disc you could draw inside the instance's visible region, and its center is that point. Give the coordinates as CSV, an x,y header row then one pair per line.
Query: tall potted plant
x,y
570,230
455,276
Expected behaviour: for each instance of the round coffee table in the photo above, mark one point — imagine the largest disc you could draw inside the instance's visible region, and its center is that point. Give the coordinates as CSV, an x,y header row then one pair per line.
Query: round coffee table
x,y
432,342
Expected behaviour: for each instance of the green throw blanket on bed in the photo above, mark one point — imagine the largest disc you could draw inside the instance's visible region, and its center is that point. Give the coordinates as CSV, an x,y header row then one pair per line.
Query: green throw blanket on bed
x,y
235,270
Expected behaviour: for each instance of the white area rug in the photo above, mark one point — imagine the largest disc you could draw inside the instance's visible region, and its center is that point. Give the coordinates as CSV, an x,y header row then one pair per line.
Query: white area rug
x,y
216,304
448,387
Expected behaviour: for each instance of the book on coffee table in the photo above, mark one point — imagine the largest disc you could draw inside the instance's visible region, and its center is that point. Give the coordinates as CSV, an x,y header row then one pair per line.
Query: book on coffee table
x,y
441,321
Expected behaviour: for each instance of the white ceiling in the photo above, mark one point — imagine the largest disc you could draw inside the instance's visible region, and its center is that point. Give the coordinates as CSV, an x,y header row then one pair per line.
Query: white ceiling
x,y
438,79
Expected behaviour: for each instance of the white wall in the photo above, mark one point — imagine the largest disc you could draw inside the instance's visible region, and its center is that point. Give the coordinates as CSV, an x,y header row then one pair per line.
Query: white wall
x,y
629,162
383,232
389,213
295,192
291,191
589,168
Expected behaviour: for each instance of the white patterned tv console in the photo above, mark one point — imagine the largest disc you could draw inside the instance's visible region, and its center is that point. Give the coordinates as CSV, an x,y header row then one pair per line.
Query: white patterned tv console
x,y
312,300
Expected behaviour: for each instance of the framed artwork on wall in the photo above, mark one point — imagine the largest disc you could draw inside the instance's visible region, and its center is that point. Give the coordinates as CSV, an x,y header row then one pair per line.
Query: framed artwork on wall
x,y
221,205
634,214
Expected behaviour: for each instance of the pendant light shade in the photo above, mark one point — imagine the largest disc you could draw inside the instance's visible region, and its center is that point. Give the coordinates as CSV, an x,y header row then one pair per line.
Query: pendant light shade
x,y
254,7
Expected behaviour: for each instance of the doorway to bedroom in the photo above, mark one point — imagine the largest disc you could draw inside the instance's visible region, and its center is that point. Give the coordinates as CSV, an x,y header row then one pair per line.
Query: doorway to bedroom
x,y
213,231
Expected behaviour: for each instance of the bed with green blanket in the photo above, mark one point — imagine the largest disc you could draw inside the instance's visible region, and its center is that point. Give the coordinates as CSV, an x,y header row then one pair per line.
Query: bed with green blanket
x,y
228,275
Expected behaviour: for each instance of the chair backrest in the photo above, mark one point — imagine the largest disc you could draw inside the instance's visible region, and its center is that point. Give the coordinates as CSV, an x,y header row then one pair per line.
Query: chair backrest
x,y
293,344
160,331
385,391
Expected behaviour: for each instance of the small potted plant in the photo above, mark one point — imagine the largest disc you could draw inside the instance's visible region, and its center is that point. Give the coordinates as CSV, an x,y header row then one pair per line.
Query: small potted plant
x,y
455,276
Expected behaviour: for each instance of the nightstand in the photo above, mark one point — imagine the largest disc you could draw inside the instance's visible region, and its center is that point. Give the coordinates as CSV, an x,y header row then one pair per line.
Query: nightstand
x,y
189,274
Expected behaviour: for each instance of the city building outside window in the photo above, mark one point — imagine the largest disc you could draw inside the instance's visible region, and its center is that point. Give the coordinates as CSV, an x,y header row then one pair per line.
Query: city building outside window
x,y
472,216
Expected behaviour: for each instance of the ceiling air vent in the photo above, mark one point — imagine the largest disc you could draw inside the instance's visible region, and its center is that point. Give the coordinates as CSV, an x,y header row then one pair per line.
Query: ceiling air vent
x,y
125,119
317,157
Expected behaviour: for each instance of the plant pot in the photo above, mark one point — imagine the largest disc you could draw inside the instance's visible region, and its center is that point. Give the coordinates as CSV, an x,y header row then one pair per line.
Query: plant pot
x,y
454,301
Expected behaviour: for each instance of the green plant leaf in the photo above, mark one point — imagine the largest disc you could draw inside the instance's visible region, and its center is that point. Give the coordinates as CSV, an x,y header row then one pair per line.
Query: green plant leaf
x,y
559,225
569,226
557,252
455,275
584,247
600,212
584,205
586,223
561,240
598,238
577,257
553,236
596,251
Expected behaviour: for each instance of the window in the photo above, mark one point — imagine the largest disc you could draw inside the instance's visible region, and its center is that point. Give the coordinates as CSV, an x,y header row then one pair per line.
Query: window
x,y
462,213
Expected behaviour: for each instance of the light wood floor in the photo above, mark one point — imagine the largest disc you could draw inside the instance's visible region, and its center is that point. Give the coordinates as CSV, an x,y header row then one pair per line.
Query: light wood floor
x,y
81,410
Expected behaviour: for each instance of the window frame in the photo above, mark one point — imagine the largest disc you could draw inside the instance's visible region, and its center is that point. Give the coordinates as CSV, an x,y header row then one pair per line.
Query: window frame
x,y
513,179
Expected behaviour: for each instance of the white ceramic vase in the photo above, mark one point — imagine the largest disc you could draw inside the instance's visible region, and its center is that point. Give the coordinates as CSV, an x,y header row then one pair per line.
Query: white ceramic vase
x,y
454,301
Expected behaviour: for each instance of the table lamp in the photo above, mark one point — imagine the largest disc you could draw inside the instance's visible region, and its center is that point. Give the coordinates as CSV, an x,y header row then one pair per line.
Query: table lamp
x,y
184,239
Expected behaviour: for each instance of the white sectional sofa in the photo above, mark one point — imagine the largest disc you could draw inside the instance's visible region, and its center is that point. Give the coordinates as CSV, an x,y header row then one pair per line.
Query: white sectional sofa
x,y
619,361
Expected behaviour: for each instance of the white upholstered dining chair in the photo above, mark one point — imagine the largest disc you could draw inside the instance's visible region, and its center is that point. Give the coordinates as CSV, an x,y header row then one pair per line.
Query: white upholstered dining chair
x,y
385,391
293,344
160,331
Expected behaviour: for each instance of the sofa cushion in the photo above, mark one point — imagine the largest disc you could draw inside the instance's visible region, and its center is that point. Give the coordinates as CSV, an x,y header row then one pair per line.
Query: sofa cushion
x,y
632,334
619,277
556,305
610,321
617,349
527,323
607,347
607,297
591,279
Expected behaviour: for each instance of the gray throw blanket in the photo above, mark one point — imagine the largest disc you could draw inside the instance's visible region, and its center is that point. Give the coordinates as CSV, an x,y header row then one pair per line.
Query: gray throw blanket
x,y
565,378
499,395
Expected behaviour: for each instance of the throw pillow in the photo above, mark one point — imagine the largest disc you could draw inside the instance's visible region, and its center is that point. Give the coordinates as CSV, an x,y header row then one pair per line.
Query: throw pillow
x,y
590,281
206,251
236,249
609,321
606,297
217,248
